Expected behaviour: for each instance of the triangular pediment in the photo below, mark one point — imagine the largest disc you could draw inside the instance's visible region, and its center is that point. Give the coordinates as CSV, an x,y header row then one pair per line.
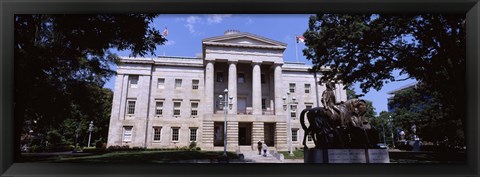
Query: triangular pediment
x,y
244,39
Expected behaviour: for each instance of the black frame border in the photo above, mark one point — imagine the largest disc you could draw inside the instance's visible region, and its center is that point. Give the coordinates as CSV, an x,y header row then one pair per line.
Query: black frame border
x,y
10,7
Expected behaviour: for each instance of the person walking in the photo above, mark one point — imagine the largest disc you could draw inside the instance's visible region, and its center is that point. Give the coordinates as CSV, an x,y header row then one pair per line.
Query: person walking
x,y
259,147
264,149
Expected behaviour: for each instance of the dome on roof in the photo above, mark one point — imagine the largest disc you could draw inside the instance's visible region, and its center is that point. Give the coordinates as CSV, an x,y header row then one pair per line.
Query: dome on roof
x,y
231,31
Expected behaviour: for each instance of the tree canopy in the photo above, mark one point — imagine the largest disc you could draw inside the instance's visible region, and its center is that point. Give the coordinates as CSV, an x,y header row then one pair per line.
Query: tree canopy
x,y
369,48
62,62
415,106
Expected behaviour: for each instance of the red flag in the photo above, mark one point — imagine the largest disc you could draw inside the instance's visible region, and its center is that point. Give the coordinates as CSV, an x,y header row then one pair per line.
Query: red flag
x,y
300,39
165,32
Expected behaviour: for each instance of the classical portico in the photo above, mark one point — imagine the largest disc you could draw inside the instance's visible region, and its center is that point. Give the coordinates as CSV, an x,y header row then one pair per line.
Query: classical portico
x,y
255,103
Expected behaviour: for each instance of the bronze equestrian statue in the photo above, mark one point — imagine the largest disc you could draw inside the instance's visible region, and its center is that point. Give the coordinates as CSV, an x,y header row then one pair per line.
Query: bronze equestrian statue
x,y
339,126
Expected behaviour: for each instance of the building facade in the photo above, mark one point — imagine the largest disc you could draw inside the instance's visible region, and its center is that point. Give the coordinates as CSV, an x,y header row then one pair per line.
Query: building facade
x,y
168,102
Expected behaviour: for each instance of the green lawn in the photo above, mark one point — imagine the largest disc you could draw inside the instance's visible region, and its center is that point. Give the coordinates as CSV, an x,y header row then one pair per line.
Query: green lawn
x,y
298,154
132,157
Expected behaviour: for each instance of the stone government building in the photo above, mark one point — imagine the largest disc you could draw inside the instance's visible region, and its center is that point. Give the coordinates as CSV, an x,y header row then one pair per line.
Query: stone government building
x,y
168,102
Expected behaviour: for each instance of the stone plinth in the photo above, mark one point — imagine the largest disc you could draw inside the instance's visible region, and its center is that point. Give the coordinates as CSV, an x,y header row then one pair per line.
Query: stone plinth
x,y
346,156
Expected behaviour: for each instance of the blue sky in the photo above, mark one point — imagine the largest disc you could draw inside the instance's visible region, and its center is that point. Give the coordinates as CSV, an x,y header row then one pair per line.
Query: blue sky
x,y
187,31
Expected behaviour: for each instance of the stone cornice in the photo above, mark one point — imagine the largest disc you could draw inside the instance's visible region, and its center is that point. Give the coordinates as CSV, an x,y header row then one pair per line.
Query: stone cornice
x,y
243,34
245,45
174,61
137,61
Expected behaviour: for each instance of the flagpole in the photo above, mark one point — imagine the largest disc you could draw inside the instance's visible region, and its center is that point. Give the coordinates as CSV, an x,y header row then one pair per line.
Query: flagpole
x,y
164,34
296,50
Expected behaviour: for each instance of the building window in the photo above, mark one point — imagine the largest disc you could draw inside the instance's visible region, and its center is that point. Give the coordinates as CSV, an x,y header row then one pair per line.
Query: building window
x,y
292,88
194,111
193,134
175,134
131,107
161,83
176,108
307,88
219,76
264,103
294,135
157,132
133,81
308,105
195,84
241,78
127,133
309,138
178,83
293,111
262,78
159,108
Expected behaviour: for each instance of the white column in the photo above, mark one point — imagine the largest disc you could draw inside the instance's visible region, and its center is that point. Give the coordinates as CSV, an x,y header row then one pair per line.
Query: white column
x,y
256,89
209,85
123,104
278,89
232,86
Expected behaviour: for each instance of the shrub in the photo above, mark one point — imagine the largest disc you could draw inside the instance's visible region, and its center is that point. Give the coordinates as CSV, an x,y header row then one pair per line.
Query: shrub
x,y
36,148
198,148
100,145
138,149
192,145
69,147
118,148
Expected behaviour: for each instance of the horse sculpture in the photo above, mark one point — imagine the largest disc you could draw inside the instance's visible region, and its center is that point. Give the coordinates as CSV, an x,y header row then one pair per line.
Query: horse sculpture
x,y
345,128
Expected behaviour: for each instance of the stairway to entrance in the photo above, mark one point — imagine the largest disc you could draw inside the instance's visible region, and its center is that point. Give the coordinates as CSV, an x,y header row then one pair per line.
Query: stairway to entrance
x,y
253,157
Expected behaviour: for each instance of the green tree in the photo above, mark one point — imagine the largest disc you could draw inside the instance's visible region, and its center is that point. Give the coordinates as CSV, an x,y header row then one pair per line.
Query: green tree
x,y
415,106
384,126
370,114
369,48
351,94
63,61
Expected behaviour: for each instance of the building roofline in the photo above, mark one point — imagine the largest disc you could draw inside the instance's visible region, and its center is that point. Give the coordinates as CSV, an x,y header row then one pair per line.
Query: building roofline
x,y
403,88
180,57
240,34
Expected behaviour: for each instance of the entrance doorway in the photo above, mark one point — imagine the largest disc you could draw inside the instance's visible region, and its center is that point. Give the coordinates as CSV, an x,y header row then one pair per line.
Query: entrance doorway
x,y
245,133
242,105
269,133
218,133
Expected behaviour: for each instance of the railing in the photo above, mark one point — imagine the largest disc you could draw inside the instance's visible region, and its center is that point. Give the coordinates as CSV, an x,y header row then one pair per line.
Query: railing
x,y
249,111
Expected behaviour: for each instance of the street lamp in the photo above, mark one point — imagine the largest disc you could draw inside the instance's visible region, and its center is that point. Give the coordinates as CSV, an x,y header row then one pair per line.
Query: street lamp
x,y
390,123
383,130
286,106
77,132
90,129
224,101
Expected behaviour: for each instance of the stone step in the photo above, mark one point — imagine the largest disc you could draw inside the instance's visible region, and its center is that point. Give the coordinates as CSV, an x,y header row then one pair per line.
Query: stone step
x,y
253,157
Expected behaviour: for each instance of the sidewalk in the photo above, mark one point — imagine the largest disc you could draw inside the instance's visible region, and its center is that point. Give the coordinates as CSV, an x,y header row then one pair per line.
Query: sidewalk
x,y
253,157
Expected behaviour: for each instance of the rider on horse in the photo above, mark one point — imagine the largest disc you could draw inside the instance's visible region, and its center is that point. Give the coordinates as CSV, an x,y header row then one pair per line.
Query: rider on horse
x,y
329,101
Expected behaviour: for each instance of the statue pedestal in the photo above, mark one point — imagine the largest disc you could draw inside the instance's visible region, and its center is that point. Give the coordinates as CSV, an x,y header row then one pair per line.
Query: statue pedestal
x,y
315,156
346,156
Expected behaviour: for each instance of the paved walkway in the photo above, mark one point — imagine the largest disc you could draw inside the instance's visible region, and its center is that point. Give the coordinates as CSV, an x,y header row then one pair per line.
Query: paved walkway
x,y
253,157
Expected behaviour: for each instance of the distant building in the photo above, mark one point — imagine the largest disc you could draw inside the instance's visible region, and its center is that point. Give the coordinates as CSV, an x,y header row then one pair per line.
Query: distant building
x,y
390,104
173,101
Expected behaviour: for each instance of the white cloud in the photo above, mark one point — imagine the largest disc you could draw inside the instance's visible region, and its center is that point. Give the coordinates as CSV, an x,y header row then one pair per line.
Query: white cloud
x,y
194,20
288,38
217,18
249,21
191,21
169,42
